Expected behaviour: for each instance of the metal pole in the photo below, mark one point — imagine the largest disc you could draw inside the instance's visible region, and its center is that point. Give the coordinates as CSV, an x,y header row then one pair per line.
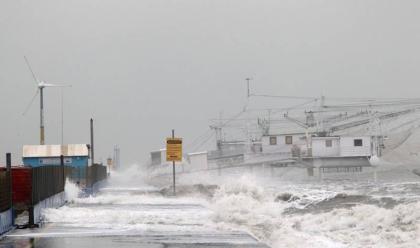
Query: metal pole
x,y
62,116
247,82
42,128
173,165
9,175
92,148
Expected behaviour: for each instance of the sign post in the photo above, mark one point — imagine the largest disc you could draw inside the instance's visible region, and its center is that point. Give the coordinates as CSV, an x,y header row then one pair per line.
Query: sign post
x,y
173,153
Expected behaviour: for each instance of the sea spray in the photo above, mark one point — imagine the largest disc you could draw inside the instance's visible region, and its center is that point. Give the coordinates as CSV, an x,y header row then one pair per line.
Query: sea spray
x,y
317,216
71,190
359,226
131,176
242,204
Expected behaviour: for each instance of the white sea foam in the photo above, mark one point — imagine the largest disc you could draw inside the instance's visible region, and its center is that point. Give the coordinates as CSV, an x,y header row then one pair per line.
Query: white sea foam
x,y
71,191
129,199
276,211
120,209
243,204
360,226
136,218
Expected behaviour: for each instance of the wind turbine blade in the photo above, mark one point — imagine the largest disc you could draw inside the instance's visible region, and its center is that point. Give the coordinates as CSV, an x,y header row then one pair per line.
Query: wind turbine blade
x,y
56,85
30,103
30,68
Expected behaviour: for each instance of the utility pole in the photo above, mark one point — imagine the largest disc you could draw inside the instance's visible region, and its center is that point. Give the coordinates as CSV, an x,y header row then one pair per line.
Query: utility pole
x,y
321,127
248,86
116,157
92,147
62,116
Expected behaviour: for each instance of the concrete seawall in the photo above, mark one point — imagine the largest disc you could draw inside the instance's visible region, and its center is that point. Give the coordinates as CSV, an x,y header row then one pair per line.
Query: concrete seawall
x,y
6,221
54,201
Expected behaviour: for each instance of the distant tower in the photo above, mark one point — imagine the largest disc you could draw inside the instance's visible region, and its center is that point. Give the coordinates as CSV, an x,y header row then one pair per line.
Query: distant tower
x,y
248,87
116,157
219,138
110,163
310,119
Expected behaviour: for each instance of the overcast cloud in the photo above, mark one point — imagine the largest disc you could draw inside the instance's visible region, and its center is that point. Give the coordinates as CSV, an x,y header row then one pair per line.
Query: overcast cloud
x,y
141,68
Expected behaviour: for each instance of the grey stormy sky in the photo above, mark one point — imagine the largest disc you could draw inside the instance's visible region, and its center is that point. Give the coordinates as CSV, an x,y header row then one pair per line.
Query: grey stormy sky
x,y
141,68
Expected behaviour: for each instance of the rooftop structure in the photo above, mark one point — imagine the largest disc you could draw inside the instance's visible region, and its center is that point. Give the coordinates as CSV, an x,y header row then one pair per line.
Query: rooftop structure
x,y
75,156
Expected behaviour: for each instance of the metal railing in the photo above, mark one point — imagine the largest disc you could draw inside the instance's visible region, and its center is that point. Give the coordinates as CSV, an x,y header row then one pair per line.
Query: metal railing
x,y
46,182
96,173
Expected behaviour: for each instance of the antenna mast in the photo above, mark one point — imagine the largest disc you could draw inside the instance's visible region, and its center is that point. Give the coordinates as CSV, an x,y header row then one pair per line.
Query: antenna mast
x,y
248,89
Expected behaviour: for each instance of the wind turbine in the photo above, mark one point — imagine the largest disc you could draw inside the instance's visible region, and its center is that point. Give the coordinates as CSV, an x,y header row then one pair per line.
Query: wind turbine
x,y
41,85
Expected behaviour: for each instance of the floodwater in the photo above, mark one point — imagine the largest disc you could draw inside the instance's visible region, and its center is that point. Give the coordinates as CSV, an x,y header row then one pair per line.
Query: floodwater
x,y
236,211
134,216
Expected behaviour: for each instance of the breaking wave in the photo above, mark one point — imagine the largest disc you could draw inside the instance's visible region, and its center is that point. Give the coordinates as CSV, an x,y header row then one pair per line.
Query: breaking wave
x,y
316,218
358,226
72,191
280,213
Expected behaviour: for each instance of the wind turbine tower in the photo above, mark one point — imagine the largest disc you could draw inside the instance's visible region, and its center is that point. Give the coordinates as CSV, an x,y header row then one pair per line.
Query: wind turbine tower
x,y
41,85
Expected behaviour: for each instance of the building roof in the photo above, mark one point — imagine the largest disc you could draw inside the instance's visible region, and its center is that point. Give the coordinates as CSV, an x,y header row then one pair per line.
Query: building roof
x,y
197,153
325,137
31,151
286,134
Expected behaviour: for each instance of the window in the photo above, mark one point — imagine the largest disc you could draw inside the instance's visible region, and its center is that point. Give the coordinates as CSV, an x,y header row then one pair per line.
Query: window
x,y
289,140
358,142
273,140
328,143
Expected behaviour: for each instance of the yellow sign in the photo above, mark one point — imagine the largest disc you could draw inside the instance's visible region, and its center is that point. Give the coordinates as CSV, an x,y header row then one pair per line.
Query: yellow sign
x,y
173,149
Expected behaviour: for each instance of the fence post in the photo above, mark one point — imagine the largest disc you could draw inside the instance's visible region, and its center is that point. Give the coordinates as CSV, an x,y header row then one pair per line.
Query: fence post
x,y
87,175
31,207
64,173
9,175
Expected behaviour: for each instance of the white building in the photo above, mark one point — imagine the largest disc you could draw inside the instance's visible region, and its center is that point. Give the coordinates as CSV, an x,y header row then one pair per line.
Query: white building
x,y
325,146
283,143
158,157
356,146
313,146
198,161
